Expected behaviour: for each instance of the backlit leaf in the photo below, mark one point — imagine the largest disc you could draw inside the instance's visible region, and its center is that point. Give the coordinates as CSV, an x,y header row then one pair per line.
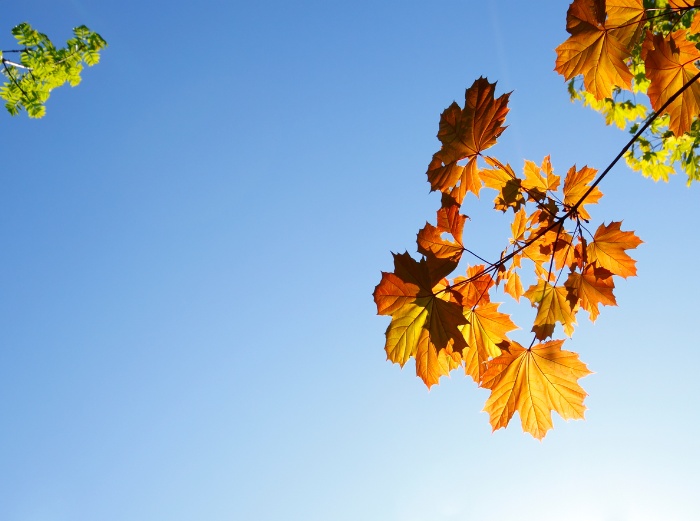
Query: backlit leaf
x,y
669,64
552,307
415,302
608,249
486,329
475,291
535,382
465,133
599,50
592,287
576,185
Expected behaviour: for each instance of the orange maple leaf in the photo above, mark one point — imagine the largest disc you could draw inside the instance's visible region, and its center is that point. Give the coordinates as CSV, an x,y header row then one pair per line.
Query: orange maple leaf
x,y
608,250
503,179
601,36
476,291
552,307
535,382
592,287
486,329
432,363
465,133
416,301
669,65
513,286
535,183
430,240
576,185
683,4
695,24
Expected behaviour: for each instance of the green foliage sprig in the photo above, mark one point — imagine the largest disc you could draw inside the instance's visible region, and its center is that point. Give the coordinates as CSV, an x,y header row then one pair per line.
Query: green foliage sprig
x,y
42,67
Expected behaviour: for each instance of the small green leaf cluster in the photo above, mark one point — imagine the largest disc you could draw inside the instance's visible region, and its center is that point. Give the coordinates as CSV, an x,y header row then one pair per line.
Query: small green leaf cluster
x,y
42,67
658,152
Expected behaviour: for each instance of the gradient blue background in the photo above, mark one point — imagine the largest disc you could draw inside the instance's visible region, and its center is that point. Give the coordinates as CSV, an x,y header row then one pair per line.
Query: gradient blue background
x,y
189,241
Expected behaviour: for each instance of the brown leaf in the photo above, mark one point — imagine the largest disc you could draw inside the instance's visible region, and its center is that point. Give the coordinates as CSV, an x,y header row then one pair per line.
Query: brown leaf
x,y
464,133
580,254
683,4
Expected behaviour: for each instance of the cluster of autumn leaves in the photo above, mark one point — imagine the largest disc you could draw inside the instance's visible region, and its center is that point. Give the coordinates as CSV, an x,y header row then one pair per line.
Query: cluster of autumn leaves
x,y
606,33
447,324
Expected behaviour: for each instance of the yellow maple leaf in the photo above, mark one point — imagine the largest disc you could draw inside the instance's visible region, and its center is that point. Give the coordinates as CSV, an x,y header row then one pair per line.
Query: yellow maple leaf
x,y
534,382
486,329
431,364
416,301
513,285
552,307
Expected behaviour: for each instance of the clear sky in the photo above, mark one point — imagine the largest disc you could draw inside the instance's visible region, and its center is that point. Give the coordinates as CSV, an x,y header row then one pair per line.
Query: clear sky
x,y
189,241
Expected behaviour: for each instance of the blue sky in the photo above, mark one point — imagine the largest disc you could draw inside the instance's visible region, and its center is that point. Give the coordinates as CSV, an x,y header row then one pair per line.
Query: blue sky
x,y
190,240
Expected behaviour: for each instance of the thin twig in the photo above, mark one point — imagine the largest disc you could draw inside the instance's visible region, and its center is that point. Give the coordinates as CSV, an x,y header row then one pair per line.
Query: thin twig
x,y
573,209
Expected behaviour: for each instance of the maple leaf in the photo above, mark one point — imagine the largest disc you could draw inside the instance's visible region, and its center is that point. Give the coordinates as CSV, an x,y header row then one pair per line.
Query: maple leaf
x,y
486,329
535,183
503,179
465,133
600,44
416,302
534,382
476,291
608,249
430,240
669,65
519,226
695,24
576,185
683,4
552,307
592,287
513,286
431,364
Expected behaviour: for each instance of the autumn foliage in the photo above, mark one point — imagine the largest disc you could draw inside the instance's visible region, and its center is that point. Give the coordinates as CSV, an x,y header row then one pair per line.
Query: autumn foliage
x,y
449,323
623,45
